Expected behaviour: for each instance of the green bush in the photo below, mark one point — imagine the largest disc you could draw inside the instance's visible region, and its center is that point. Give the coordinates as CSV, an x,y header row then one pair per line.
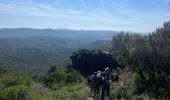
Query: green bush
x,y
17,93
61,78
72,91
136,78
16,87
15,79
73,77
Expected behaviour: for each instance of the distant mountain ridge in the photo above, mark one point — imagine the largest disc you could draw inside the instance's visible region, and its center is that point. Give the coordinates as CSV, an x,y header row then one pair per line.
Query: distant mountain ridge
x,y
62,33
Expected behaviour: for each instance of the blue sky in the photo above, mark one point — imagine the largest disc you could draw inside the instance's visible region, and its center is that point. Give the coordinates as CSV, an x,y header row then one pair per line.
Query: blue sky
x,y
117,15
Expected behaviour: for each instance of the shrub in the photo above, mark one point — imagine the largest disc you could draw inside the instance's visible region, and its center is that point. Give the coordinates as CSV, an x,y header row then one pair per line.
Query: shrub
x,y
15,79
16,87
61,78
136,77
20,92
73,77
72,91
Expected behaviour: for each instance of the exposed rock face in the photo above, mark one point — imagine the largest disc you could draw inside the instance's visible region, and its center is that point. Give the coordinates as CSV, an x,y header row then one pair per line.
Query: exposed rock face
x,y
89,61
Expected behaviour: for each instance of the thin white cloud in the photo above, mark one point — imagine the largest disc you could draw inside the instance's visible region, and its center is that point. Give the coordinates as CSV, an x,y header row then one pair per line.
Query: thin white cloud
x,y
123,15
34,9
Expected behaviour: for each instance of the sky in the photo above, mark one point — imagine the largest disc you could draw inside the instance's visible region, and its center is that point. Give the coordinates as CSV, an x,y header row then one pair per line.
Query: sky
x,y
116,15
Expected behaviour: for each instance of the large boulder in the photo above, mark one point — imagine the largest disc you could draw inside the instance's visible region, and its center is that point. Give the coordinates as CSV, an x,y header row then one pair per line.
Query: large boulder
x,y
89,61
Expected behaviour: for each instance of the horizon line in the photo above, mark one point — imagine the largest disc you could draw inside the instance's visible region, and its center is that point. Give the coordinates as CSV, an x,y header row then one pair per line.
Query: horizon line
x,y
104,30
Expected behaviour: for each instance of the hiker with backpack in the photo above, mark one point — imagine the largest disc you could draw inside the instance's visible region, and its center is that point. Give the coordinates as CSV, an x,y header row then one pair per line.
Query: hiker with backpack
x,y
96,84
90,83
101,80
114,76
105,83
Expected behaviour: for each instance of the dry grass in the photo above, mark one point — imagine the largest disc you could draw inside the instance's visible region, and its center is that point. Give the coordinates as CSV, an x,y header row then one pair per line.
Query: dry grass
x,y
76,91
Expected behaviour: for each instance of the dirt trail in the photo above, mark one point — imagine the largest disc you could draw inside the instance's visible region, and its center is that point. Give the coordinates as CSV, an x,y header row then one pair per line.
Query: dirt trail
x,y
89,98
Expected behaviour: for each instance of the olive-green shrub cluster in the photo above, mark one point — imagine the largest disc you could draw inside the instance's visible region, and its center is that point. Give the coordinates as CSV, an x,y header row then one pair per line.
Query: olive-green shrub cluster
x,y
148,57
15,86
72,91
57,79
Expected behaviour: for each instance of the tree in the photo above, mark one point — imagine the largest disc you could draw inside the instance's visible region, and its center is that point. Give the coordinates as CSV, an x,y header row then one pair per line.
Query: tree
x,y
53,68
148,57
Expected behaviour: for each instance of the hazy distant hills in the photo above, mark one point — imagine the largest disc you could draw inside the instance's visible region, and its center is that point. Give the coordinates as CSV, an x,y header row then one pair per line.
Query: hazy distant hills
x,y
62,33
33,50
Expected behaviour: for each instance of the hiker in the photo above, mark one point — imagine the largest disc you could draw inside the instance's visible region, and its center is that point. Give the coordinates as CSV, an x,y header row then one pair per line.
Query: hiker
x,y
108,72
101,79
93,83
98,73
105,83
114,76
89,83
96,85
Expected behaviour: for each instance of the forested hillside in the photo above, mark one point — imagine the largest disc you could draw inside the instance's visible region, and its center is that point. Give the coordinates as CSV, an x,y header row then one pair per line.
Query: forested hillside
x,y
33,50
148,58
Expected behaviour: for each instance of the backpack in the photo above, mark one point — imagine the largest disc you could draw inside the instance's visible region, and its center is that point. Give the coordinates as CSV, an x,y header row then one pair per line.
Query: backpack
x,y
89,80
105,81
114,77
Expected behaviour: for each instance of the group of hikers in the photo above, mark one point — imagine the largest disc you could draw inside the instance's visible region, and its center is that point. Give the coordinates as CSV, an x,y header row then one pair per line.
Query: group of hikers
x,y
100,81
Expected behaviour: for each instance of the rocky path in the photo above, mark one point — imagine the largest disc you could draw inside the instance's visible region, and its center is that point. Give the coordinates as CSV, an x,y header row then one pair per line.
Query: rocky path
x,y
89,98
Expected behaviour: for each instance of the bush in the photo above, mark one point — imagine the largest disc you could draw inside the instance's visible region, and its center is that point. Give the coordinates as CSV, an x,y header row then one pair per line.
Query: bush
x,y
73,77
72,91
61,78
16,87
136,78
17,93
15,79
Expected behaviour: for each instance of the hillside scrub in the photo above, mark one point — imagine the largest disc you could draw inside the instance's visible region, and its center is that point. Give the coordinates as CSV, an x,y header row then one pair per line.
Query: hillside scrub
x,y
16,87
56,80
147,56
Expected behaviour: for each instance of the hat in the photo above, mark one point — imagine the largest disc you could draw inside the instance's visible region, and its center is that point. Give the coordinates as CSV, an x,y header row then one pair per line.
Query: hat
x,y
95,73
107,68
114,70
